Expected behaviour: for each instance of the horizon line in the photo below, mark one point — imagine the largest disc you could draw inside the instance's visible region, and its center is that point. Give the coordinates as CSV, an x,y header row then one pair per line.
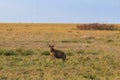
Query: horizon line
x,y
56,23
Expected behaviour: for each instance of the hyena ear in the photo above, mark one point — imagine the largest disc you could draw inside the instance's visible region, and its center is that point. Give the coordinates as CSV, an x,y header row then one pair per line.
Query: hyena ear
x,y
52,45
48,45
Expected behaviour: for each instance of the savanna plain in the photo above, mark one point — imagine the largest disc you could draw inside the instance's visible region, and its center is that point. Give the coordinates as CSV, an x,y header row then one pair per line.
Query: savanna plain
x,y
91,54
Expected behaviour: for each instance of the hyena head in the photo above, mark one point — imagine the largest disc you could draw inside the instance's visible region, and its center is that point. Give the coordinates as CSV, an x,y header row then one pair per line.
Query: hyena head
x,y
51,47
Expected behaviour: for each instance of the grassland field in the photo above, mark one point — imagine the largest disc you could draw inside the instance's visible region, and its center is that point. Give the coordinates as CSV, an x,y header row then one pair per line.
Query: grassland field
x,y
91,54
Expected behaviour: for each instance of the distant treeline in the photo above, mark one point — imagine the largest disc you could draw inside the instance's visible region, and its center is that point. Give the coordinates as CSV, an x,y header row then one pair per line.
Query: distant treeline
x,y
97,26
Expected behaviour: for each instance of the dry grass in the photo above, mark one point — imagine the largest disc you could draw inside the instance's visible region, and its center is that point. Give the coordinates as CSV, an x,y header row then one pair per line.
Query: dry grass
x,y
91,55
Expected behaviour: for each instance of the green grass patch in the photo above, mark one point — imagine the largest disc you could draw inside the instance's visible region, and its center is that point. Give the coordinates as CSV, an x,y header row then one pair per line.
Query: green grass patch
x,y
27,52
8,52
84,52
65,41
81,51
71,41
91,77
15,52
70,53
109,40
93,52
19,50
2,51
45,53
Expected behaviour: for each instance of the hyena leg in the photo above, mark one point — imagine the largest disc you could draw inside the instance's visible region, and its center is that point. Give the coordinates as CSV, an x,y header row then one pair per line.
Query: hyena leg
x,y
53,57
64,58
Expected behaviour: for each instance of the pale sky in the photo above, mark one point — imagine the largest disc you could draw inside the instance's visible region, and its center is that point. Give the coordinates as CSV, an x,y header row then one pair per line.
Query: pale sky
x,y
60,11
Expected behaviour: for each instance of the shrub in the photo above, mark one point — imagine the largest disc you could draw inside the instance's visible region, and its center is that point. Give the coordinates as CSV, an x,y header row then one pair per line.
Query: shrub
x,y
46,53
97,26
10,52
